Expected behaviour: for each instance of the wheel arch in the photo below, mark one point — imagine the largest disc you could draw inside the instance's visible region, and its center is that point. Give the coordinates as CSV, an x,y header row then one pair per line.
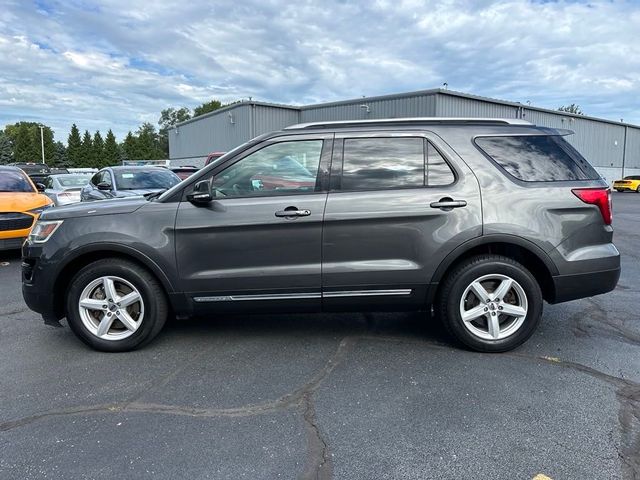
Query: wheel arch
x,y
92,253
524,251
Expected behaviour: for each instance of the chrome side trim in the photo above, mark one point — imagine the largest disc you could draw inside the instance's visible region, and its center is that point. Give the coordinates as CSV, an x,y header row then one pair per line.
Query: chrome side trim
x,y
367,293
304,295
271,296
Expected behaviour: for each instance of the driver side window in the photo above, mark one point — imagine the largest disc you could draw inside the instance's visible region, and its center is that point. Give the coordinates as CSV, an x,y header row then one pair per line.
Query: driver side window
x,y
280,169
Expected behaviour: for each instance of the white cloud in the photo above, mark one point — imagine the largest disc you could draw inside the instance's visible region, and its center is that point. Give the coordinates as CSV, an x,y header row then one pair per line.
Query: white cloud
x,y
115,63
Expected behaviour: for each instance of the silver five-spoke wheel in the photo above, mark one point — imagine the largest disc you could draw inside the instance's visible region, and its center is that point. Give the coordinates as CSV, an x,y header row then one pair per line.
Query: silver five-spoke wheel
x,y
493,307
111,308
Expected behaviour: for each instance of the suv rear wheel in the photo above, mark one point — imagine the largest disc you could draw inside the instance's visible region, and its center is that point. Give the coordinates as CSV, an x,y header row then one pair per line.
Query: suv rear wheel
x,y
491,303
114,305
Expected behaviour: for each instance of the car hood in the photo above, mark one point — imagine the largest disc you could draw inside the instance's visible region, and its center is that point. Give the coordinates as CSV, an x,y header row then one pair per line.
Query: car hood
x,y
22,201
91,209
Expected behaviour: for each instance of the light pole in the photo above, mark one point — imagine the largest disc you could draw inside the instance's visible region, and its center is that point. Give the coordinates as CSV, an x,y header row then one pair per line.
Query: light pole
x,y
42,140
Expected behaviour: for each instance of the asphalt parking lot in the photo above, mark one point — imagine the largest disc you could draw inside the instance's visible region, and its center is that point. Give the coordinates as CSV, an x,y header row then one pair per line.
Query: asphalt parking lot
x,y
328,396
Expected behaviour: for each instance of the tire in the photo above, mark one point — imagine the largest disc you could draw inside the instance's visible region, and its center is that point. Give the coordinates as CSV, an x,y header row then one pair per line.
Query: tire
x,y
638,189
135,315
480,332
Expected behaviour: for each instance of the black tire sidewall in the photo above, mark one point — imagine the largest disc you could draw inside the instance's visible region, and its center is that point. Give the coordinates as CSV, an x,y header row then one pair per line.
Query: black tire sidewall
x,y
155,309
466,276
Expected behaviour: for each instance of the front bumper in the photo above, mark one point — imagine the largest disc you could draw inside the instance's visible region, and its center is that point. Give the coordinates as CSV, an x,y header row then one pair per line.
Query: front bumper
x,y
11,243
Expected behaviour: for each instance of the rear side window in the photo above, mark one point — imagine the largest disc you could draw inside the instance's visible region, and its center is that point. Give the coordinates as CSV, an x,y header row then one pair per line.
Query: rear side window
x,y
537,158
376,163
398,162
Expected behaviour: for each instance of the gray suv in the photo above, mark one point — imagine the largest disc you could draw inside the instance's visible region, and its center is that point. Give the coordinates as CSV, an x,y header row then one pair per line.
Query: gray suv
x,y
482,219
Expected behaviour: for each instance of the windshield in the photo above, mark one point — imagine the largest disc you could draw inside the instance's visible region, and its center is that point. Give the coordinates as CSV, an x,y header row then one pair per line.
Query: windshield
x,y
145,179
73,180
14,182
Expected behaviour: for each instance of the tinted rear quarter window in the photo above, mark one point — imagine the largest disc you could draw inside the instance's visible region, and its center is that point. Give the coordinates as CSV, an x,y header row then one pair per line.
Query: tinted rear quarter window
x,y
537,158
396,162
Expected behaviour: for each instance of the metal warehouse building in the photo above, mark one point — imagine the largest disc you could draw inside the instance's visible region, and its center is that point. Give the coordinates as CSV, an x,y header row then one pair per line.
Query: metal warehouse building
x,y
613,148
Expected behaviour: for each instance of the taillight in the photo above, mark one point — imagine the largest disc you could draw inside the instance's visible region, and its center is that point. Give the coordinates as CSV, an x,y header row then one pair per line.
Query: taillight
x,y
601,197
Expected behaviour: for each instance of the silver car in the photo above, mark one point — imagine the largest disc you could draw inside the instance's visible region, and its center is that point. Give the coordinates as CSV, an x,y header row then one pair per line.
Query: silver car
x,y
65,188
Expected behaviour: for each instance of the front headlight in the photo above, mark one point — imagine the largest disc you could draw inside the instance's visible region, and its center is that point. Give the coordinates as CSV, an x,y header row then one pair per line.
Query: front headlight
x,y
42,230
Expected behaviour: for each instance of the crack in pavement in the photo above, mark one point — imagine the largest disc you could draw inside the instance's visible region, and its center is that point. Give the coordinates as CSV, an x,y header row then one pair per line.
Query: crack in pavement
x,y
318,464
594,319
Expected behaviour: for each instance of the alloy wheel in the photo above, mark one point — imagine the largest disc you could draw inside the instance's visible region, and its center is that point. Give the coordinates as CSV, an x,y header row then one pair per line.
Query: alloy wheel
x,y
111,308
493,307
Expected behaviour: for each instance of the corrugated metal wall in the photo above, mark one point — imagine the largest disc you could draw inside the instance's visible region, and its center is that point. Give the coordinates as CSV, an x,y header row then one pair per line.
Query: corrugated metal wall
x,y
632,160
454,106
395,107
267,119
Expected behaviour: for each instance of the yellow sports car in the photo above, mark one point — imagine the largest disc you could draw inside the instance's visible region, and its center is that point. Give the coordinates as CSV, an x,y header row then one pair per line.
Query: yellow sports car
x,y
631,183
20,206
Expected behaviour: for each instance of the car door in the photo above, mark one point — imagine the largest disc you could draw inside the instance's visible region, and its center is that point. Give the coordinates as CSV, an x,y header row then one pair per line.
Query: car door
x,y
257,245
399,203
50,189
91,191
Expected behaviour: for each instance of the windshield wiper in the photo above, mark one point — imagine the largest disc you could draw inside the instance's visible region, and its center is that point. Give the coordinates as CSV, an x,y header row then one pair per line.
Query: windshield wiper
x,y
151,196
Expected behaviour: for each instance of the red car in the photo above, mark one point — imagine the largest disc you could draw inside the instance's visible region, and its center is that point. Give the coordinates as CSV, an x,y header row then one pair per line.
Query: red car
x,y
213,156
184,171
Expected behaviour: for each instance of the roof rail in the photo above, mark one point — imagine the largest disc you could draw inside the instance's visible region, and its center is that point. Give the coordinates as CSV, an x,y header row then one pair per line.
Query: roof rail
x,y
416,120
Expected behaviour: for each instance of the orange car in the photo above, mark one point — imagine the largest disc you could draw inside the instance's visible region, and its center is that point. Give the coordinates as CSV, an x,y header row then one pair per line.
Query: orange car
x,y
20,206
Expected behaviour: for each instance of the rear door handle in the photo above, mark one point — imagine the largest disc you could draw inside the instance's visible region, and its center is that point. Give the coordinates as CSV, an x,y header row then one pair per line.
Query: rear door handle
x,y
448,204
293,212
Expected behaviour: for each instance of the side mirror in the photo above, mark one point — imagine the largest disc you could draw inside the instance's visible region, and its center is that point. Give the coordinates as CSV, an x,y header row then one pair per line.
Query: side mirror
x,y
104,186
40,187
201,193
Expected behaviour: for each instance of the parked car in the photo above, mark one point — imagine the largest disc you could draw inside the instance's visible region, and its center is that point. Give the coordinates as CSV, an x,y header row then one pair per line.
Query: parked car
x,y
628,184
20,205
213,156
36,171
65,188
120,182
184,171
482,219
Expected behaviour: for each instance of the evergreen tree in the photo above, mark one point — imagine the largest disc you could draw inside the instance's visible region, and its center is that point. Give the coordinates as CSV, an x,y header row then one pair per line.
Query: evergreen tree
x,y
148,143
6,149
111,152
74,147
129,147
60,156
98,150
86,150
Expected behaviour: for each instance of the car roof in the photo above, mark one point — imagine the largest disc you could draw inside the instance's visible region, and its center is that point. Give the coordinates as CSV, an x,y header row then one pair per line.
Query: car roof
x,y
11,168
134,167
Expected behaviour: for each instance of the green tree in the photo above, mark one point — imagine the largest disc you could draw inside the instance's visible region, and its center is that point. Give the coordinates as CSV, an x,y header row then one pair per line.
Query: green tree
x,y
111,152
60,158
573,108
129,146
147,144
168,118
74,147
25,148
25,137
97,151
207,107
86,150
6,149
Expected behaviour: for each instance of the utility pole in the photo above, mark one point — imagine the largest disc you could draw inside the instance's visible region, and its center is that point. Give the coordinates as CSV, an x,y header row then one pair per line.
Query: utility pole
x,y
42,140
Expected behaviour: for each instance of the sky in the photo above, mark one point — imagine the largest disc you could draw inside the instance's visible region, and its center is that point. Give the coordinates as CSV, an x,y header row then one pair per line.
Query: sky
x,y
118,63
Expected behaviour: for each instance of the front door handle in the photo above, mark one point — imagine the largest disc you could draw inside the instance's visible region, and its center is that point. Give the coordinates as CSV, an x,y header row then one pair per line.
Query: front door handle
x,y
293,212
447,204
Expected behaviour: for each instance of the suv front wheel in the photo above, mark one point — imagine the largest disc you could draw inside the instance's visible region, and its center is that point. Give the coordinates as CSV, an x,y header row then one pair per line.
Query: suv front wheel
x,y
490,303
115,305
